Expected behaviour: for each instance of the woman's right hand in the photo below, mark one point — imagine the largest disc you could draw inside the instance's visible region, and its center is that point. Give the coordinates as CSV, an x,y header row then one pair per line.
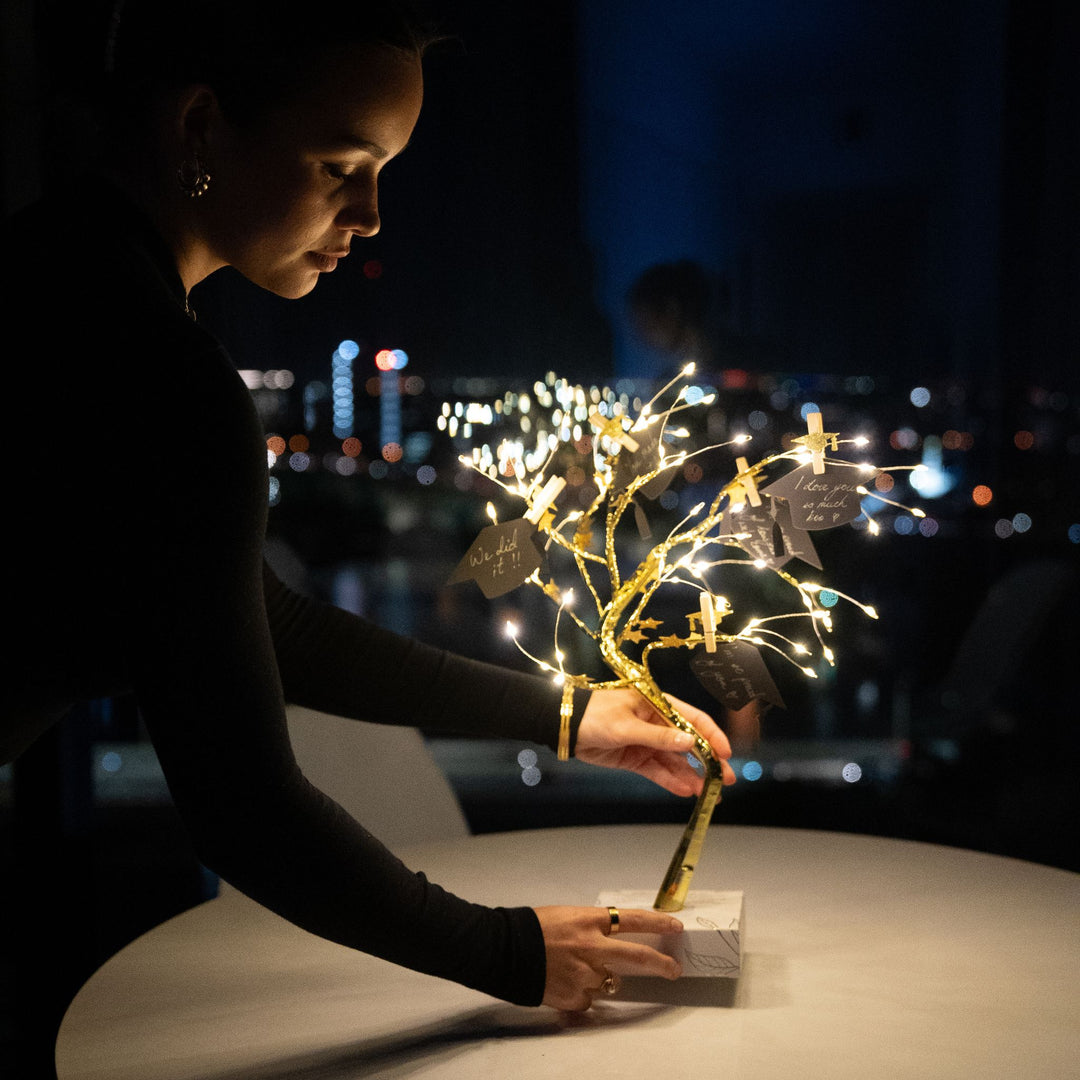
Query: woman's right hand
x,y
582,952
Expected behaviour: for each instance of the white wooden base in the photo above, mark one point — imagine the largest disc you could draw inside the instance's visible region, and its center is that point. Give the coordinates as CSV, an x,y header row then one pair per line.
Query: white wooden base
x,y
711,944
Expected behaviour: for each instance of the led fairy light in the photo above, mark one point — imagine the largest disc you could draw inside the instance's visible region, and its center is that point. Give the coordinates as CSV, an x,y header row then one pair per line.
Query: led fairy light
x,y
867,609
628,461
513,632
914,511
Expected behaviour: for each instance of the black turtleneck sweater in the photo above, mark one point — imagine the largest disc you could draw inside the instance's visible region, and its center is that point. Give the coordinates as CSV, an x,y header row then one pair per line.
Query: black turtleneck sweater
x,y
135,517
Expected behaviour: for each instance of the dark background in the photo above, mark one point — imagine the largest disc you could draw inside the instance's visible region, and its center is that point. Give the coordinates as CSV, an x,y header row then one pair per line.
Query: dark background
x,y
879,197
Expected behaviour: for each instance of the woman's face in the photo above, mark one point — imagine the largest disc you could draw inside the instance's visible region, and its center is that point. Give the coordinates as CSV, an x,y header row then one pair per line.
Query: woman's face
x,y
289,192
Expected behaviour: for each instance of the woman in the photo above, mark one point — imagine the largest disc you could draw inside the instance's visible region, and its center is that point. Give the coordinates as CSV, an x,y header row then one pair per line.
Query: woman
x,y
252,136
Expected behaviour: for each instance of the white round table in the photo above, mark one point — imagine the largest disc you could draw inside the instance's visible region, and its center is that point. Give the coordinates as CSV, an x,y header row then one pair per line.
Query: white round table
x,y
862,958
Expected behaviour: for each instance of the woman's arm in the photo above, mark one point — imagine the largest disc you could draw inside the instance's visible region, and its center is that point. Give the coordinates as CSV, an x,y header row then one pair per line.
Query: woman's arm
x,y
203,665
342,664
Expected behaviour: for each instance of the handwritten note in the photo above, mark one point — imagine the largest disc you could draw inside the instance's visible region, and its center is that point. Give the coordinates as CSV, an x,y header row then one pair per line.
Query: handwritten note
x,y
821,501
759,534
798,543
735,674
630,464
501,558
766,533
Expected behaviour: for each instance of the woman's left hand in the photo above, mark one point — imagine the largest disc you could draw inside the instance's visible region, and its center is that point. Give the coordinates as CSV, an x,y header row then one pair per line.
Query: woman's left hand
x,y
621,730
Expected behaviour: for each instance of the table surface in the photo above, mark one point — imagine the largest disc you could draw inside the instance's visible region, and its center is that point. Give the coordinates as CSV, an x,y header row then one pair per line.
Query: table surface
x,y
862,957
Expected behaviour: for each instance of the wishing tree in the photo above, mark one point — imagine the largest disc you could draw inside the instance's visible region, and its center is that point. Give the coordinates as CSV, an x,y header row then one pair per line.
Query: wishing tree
x,y
758,521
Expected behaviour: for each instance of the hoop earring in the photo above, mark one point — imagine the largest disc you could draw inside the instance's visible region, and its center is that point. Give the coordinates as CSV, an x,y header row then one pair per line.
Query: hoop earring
x,y
192,178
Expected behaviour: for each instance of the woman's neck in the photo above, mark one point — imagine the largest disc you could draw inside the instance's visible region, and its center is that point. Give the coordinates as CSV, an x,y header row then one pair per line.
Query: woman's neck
x,y
173,215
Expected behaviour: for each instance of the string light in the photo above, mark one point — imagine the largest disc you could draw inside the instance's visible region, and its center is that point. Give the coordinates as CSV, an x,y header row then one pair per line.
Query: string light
x,y
627,457
913,510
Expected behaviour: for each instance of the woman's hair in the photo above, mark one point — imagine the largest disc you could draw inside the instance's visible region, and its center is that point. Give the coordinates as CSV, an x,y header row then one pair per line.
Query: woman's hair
x,y
118,57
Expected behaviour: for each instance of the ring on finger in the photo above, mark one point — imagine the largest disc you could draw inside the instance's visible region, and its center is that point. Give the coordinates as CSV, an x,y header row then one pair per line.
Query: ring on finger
x,y
613,915
610,985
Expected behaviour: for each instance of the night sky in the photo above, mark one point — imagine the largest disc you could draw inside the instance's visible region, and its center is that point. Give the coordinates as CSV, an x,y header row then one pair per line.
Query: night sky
x,y
863,185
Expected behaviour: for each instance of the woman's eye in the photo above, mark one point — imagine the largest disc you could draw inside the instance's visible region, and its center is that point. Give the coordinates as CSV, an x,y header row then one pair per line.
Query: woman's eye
x,y
348,174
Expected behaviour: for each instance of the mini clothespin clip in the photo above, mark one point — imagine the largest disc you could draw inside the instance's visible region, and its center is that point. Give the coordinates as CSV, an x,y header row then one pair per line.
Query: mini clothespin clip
x,y
548,494
747,482
814,427
613,429
708,621
816,440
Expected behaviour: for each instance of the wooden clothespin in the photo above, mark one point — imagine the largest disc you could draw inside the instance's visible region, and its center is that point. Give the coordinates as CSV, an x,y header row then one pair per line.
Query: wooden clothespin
x,y
814,427
548,494
708,621
613,429
816,440
747,482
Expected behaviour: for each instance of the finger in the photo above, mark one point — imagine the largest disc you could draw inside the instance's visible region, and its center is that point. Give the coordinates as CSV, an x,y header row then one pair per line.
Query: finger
x,y
701,721
677,744
667,739
640,921
675,773
705,725
727,774
685,777
635,958
631,957
678,776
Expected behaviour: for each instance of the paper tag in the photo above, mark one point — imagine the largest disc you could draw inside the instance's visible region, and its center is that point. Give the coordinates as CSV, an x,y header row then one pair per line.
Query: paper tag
x,y
735,674
770,538
629,465
501,558
821,501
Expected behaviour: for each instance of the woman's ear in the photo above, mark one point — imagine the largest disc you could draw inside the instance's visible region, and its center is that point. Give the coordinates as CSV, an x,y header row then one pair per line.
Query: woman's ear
x,y
197,117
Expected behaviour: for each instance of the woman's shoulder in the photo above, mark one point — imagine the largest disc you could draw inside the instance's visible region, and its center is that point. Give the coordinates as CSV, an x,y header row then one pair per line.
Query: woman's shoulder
x,y
91,246
94,282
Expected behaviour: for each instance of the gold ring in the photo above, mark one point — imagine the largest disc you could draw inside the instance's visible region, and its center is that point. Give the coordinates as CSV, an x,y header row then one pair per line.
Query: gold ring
x,y
610,985
613,915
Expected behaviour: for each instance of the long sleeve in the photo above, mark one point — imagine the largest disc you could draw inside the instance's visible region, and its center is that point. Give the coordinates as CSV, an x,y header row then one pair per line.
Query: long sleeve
x,y
147,576
205,670
332,660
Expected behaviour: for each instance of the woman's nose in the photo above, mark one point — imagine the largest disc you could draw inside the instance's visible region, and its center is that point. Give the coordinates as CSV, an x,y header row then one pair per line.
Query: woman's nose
x,y
361,215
